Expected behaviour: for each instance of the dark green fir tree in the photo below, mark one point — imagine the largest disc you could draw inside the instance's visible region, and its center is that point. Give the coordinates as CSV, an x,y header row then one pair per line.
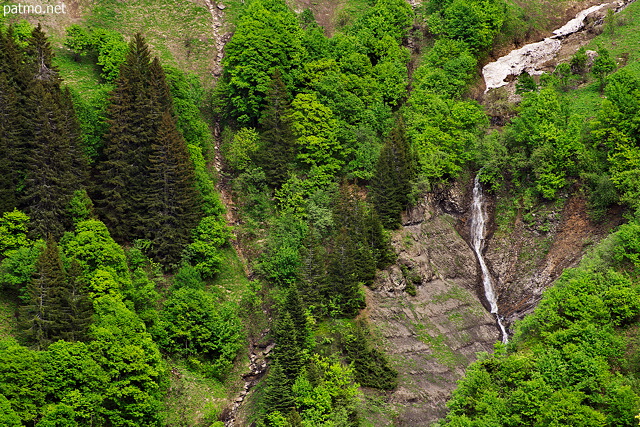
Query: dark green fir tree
x,y
277,151
345,274
287,352
133,119
293,305
44,315
49,156
172,200
278,395
8,143
79,305
391,183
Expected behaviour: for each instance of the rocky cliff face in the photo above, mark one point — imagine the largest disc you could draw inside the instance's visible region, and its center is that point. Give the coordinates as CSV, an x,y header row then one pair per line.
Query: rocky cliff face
x,y
528,251
432,336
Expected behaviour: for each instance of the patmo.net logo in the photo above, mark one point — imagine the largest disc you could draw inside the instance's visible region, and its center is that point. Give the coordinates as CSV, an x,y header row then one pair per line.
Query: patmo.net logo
x,y
33,9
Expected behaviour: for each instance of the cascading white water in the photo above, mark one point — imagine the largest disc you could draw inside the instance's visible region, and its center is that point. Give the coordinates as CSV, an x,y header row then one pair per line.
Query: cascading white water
x,y
478,224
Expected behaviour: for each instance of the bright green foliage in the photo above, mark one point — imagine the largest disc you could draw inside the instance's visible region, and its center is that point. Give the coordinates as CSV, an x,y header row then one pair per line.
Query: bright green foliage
x,y
132,364
602,66
13,231
78,40
73,377
442,133
282,261
525,83
22,380
475,22
17,269
8,416
546,141
80,207
446,69
566,363
194,325
325,394
204,253
188,277
314,126
59,415
108,47
616,128
97,253
243,148
267,38
578,62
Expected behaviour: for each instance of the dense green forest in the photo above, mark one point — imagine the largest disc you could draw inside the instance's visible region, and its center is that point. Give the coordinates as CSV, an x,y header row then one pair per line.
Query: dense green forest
x,y
157,225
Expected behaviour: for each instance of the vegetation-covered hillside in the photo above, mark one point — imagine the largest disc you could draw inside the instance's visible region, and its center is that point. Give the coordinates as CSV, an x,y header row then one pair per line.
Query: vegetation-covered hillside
x,y
195,196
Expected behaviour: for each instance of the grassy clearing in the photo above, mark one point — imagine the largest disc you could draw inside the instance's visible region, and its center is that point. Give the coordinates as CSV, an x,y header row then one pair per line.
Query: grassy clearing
x,y
623,44
192,399
179,32
231,278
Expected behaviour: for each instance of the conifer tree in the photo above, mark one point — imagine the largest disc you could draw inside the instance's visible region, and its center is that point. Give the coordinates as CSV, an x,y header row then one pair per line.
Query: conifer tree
x,y
277,151
287,352
173,200
54,165
43,315
346,271
122,173
146,181
14,80
391,183
278,395
293,306
8,143
79,305
48,162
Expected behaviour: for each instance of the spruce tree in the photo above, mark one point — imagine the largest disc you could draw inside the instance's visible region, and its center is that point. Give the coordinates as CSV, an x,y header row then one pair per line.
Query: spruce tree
x,y
133,120
54,165
293,306
346,271
8,143
287,352
145,185
391,183
173,199
277,151
49,160
278,394
43,317
79,305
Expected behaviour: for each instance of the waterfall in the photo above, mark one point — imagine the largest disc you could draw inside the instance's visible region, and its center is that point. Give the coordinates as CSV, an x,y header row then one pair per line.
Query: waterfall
x,y
478,225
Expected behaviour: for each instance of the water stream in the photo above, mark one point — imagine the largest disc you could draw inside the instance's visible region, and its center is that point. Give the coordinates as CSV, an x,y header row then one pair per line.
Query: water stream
x,y
478,228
